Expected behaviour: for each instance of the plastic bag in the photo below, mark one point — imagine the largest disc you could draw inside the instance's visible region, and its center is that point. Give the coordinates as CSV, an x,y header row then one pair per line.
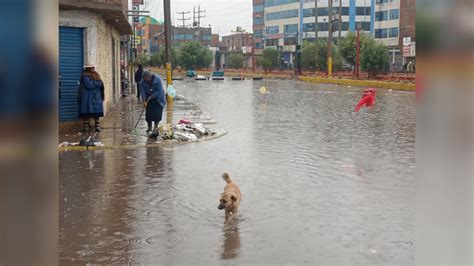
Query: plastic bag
x,y
171,91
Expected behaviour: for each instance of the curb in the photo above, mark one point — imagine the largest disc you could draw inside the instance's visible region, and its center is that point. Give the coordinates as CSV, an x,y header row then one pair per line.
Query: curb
x,y
362,83
131,146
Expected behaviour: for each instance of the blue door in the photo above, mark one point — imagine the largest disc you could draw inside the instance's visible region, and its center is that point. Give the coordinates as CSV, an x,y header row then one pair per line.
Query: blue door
x,y
70,68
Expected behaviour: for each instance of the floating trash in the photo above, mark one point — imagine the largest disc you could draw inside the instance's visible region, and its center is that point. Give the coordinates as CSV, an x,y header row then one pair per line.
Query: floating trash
x,y
263,90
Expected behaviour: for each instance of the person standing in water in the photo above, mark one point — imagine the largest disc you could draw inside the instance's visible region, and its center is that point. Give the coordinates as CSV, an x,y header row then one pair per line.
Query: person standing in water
x,y
154,100
91,98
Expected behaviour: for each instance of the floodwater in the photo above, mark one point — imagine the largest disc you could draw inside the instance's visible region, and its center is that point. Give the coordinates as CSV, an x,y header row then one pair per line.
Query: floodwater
x,y
321,184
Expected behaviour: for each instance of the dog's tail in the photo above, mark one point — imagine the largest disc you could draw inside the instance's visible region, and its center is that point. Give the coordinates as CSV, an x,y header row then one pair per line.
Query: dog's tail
x,y
226,178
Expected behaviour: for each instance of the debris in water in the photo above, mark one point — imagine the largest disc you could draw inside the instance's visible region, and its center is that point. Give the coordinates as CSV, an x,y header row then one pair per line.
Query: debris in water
x,y
263,90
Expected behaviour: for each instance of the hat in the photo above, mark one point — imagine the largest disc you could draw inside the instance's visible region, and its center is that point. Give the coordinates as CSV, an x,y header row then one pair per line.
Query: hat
x,y
89,65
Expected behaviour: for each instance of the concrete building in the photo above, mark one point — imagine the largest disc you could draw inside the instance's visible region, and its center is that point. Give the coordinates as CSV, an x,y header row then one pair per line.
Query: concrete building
x,y
90,33
288,22
258,25
387,26
281,24
237,42
147,32
407,27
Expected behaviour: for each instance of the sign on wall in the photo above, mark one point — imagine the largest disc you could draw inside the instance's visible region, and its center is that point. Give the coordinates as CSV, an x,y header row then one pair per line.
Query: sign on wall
x,y
137,2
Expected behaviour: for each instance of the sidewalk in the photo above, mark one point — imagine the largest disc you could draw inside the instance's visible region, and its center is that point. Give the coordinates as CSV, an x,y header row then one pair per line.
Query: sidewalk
x,y
117,126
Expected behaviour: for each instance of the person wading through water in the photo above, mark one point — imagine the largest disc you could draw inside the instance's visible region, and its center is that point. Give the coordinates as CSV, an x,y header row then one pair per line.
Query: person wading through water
x,y
91,98
154,100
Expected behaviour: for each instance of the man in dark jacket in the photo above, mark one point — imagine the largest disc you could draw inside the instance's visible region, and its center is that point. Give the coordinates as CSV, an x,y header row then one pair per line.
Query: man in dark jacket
x,y
138,78
153,96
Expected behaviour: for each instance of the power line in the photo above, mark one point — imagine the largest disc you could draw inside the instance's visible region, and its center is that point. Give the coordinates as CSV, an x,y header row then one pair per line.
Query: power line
x,y
197,16
183,19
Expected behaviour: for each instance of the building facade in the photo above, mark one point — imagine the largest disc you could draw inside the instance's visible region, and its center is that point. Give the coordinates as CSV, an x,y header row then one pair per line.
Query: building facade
x,y
90,33
282,24
237,42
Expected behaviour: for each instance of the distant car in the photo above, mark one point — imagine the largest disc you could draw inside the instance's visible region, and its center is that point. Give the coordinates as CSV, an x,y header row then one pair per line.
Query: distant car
x,y
347,67
190,73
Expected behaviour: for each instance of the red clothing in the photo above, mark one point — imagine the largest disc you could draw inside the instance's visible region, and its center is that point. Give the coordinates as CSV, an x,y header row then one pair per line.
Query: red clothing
x,y
368,99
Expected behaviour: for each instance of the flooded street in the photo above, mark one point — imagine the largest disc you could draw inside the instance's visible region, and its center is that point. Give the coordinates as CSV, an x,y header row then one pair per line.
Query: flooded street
x,y
321,184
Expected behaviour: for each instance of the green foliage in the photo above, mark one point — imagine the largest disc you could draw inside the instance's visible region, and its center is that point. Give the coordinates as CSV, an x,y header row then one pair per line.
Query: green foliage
x,y
374,57
194,55
348,46
269,59
143,59
235,60
162,57
155,60
314,54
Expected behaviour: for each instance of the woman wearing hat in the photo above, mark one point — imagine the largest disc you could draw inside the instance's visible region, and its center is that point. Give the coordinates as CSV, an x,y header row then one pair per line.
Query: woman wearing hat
x,y
154,99
91,97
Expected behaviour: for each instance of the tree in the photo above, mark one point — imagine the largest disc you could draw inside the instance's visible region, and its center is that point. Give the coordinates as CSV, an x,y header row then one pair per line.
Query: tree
x,y
235,60
162,57
348,47
269,59
309,60
308,55
374,57
193,55
155,60
143,59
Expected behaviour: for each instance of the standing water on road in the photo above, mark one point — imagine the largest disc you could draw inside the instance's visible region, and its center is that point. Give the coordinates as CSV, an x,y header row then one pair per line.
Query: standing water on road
x,y
320,184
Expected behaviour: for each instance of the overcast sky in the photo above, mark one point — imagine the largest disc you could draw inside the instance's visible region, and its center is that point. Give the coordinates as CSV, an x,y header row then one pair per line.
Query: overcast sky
x,y
222,15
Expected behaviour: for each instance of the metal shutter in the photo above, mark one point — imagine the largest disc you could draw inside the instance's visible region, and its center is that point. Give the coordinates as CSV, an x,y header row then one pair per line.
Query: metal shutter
x,y
70,68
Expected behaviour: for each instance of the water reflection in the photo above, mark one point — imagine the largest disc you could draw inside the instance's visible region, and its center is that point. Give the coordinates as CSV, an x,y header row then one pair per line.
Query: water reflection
x,y
231,238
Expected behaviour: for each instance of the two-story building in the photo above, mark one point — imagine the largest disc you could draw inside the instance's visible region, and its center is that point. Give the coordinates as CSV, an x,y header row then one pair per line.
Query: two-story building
x,y
90,33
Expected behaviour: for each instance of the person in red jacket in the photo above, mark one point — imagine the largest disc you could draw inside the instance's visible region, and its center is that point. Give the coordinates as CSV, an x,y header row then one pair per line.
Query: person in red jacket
x,y
368,99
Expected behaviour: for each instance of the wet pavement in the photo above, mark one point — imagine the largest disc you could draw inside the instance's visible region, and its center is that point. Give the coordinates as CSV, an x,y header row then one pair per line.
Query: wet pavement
x,y
321,184
118,127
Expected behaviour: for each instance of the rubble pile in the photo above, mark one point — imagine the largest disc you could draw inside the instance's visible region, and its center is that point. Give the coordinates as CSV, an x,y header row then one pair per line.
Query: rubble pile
x,y
185,130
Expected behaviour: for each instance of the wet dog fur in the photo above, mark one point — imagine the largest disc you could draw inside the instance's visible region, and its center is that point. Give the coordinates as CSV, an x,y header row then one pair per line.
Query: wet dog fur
x,y
230,198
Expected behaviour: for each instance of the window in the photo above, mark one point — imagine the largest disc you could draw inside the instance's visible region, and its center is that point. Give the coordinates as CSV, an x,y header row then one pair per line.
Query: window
x,y
272,42
307,27
394,14
364,25
323,26
258,21
258,33
323,11
272,30
206,37
380,33
259,45
293,13
291,28
269,3
363,11
393,32
258,8
290,41
381,15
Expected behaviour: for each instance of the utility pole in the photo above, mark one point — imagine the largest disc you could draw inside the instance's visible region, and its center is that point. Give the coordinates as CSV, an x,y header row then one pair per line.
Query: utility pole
x,y
169,80
340,22
329,54
183,19
199,16
356,70
315,35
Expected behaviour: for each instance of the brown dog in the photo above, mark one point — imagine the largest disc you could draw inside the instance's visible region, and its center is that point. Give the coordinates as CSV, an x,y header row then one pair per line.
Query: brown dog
x,y
230,199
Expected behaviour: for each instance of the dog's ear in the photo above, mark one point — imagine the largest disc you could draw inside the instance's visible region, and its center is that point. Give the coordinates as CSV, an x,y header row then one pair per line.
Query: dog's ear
x,y
233,198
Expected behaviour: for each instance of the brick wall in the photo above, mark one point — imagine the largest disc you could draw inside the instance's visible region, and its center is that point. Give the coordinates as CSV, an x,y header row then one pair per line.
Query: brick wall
x,y
407,20
106,36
